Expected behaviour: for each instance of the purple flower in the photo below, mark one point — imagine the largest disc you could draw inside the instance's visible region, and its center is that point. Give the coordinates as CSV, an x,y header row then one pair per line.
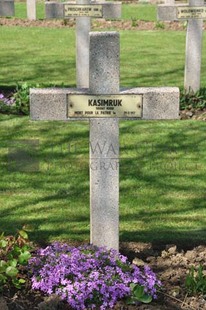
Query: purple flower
x,y
7,101
87,277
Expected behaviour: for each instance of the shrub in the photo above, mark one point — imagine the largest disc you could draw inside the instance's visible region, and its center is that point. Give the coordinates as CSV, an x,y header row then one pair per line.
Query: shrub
x,y
89,277
193,100
6,104
195,282
21,99
159,25
134,22
14,253
18,101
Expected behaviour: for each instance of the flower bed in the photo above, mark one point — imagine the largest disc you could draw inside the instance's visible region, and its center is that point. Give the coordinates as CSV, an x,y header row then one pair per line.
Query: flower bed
x,y
88,277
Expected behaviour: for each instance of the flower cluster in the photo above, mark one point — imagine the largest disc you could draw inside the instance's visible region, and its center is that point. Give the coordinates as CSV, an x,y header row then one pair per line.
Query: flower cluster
x,y
7,101
88,277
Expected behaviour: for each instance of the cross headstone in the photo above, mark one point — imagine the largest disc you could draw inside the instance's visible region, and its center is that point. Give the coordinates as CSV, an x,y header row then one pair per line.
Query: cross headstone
x,y
83,27
103,104
31,9
194,13
7,8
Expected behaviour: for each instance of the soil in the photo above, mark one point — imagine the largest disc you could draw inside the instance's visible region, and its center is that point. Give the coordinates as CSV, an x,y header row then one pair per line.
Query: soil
x,y
197,114
171,264
96,24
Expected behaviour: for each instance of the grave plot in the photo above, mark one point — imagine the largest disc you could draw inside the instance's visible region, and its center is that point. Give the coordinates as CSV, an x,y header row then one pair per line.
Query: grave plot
x,y
106,108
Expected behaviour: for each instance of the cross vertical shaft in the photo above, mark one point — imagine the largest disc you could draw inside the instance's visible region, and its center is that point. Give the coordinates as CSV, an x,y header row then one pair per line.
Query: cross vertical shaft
x,y
31,9
104,143
83,25
193,51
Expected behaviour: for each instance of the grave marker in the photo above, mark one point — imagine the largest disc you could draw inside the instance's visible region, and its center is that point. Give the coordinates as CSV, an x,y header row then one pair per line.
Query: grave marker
x,y
60,104
83,11
194,13
31,9
7,8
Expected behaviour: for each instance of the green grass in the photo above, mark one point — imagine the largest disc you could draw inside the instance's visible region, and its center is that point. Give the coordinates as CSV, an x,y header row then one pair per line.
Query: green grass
x,y
148,58
162,192
21,11
139,12
162,180
37,55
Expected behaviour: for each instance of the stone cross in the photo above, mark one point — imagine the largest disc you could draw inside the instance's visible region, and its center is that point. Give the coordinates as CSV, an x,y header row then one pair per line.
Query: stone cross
x,y
195,12
103,104
7,8
31,9
83,27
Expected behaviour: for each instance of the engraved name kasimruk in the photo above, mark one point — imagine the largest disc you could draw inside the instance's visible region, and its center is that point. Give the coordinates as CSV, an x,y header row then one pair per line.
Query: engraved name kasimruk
x,y
119,106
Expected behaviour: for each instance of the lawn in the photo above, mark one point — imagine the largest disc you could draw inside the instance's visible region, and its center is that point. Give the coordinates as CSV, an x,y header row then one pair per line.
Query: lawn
x,y
33,54
162,163
36,54
162,179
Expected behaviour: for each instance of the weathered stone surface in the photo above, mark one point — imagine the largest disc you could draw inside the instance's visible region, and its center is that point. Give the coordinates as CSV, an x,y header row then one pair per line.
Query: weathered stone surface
x,y
104,69
7,8
111,9
54,9
193,51
31,9
83,27
166,13
50,103
104,165
158,102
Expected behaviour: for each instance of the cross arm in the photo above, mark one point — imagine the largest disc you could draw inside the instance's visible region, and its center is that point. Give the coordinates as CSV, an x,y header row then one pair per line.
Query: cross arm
x,y
52,104
158,102
181,12
55,9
